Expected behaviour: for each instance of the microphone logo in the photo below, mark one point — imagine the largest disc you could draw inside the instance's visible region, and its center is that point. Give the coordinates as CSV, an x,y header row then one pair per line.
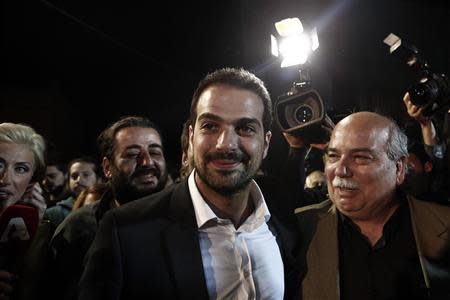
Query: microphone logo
x,y
16,229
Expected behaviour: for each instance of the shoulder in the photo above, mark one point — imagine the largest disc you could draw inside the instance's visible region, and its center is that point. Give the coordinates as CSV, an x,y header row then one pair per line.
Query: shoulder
x,y
81,220
321,207
430,209
61,205
144,208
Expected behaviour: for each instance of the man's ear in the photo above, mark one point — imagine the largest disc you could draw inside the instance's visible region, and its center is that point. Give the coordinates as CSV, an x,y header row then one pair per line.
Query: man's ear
x,y
106,165
401,170
267,138
191,136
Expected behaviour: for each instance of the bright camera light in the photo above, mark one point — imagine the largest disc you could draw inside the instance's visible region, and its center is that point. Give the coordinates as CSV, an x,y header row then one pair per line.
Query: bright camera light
x,y
288,27
293,44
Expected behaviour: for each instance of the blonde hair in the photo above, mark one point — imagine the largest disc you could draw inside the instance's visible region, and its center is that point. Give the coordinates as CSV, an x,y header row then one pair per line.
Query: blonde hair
x,y
25,135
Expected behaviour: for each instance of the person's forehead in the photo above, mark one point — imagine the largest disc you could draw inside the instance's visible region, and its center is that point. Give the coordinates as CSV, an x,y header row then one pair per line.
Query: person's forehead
x,y
136,135
229,100
369,137
81,166
13,153
52,169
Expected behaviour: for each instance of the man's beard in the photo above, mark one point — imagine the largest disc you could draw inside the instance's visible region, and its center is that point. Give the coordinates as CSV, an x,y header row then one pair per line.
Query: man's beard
x,y
125,190
227,182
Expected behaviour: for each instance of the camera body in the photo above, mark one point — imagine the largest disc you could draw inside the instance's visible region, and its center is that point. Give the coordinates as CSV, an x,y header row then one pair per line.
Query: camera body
x,y
432,90
295,111
301,111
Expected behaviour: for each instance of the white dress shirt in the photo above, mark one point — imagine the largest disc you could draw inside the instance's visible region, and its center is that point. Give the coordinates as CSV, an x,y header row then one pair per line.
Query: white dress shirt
x,y
243,263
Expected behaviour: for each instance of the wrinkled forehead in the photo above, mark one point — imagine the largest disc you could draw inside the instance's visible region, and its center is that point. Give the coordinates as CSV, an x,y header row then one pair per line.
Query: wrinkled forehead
x,y
359,136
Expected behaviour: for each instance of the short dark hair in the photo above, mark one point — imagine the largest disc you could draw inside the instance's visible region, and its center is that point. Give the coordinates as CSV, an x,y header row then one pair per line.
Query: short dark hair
x,y
83,159
106,139
57,163
239,78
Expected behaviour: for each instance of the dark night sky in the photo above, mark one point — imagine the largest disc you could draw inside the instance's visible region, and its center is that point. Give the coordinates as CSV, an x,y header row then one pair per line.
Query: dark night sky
x,y
69,68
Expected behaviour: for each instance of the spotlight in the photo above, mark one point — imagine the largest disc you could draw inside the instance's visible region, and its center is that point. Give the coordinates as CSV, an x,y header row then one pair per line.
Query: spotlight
x,y
293,44
300,111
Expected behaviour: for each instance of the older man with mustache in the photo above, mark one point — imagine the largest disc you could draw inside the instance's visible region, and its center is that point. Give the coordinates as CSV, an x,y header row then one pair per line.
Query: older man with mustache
x,y
370,241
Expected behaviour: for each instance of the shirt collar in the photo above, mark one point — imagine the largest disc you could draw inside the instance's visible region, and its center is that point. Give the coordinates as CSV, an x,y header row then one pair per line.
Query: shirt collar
x,y
203,213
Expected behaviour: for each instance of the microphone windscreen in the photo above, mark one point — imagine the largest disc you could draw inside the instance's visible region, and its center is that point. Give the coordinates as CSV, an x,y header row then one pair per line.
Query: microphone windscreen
x,y
18,225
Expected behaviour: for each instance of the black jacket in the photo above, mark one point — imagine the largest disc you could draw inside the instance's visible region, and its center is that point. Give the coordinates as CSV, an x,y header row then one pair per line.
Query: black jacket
x,y
149,249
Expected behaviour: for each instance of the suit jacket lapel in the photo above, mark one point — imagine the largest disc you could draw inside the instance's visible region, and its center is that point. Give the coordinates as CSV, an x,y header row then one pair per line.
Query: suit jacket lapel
x,y
183,248
322,259
431,235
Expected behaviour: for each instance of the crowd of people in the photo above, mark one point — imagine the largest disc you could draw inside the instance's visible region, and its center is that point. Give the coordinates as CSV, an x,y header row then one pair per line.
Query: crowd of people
x,y
371,222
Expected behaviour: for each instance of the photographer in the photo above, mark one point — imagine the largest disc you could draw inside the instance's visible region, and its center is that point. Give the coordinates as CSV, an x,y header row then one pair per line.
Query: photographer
x,y
426,167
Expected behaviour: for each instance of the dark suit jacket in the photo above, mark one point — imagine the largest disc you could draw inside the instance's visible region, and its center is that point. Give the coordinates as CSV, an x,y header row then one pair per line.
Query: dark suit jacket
x,y
319,231
149,249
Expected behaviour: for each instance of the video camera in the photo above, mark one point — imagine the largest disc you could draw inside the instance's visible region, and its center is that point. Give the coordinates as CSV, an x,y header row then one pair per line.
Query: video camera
x,y
301,111
432,90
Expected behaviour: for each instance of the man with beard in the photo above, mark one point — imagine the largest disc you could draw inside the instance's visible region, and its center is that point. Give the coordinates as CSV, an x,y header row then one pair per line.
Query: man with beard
x,y
210,236
134,164
55,182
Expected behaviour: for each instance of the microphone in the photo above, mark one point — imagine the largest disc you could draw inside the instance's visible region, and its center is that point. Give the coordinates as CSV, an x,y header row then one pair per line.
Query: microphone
x,y
18,225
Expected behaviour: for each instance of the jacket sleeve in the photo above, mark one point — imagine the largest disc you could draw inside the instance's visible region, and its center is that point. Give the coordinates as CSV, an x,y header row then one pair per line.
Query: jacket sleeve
x,y
102,277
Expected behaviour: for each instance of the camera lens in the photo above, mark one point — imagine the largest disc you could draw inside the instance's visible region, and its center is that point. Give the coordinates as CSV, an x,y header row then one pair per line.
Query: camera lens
x,y
424,92
303,114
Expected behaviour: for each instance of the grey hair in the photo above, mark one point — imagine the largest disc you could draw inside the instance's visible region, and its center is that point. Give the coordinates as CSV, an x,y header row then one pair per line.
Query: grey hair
x,y
25,135
397,143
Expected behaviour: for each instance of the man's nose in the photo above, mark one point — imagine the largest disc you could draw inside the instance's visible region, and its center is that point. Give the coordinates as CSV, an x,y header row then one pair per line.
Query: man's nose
x,y
227,140
146,159
342,168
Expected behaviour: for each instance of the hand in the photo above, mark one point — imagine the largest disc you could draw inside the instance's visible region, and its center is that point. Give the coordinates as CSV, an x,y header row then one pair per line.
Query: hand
x,y
6,280
294,141
320,146
33,196
414,111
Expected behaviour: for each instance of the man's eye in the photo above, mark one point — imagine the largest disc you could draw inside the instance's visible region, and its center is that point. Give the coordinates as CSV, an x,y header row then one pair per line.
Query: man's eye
x,y
208,126
362,159
246,130
331,157
155,153
131,155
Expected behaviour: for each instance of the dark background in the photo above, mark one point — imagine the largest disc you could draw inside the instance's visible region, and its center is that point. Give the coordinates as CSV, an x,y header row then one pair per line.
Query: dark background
x,y
69,68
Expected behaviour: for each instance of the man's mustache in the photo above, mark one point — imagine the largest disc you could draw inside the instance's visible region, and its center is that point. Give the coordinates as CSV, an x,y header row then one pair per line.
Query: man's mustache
x,y
344,183
233,156
146,171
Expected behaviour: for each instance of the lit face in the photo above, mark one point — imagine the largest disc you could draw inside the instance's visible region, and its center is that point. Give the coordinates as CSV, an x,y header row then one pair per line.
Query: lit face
x,y
415,163
81,175
54,178
228,141
361,178
315,180
16,171
138,167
